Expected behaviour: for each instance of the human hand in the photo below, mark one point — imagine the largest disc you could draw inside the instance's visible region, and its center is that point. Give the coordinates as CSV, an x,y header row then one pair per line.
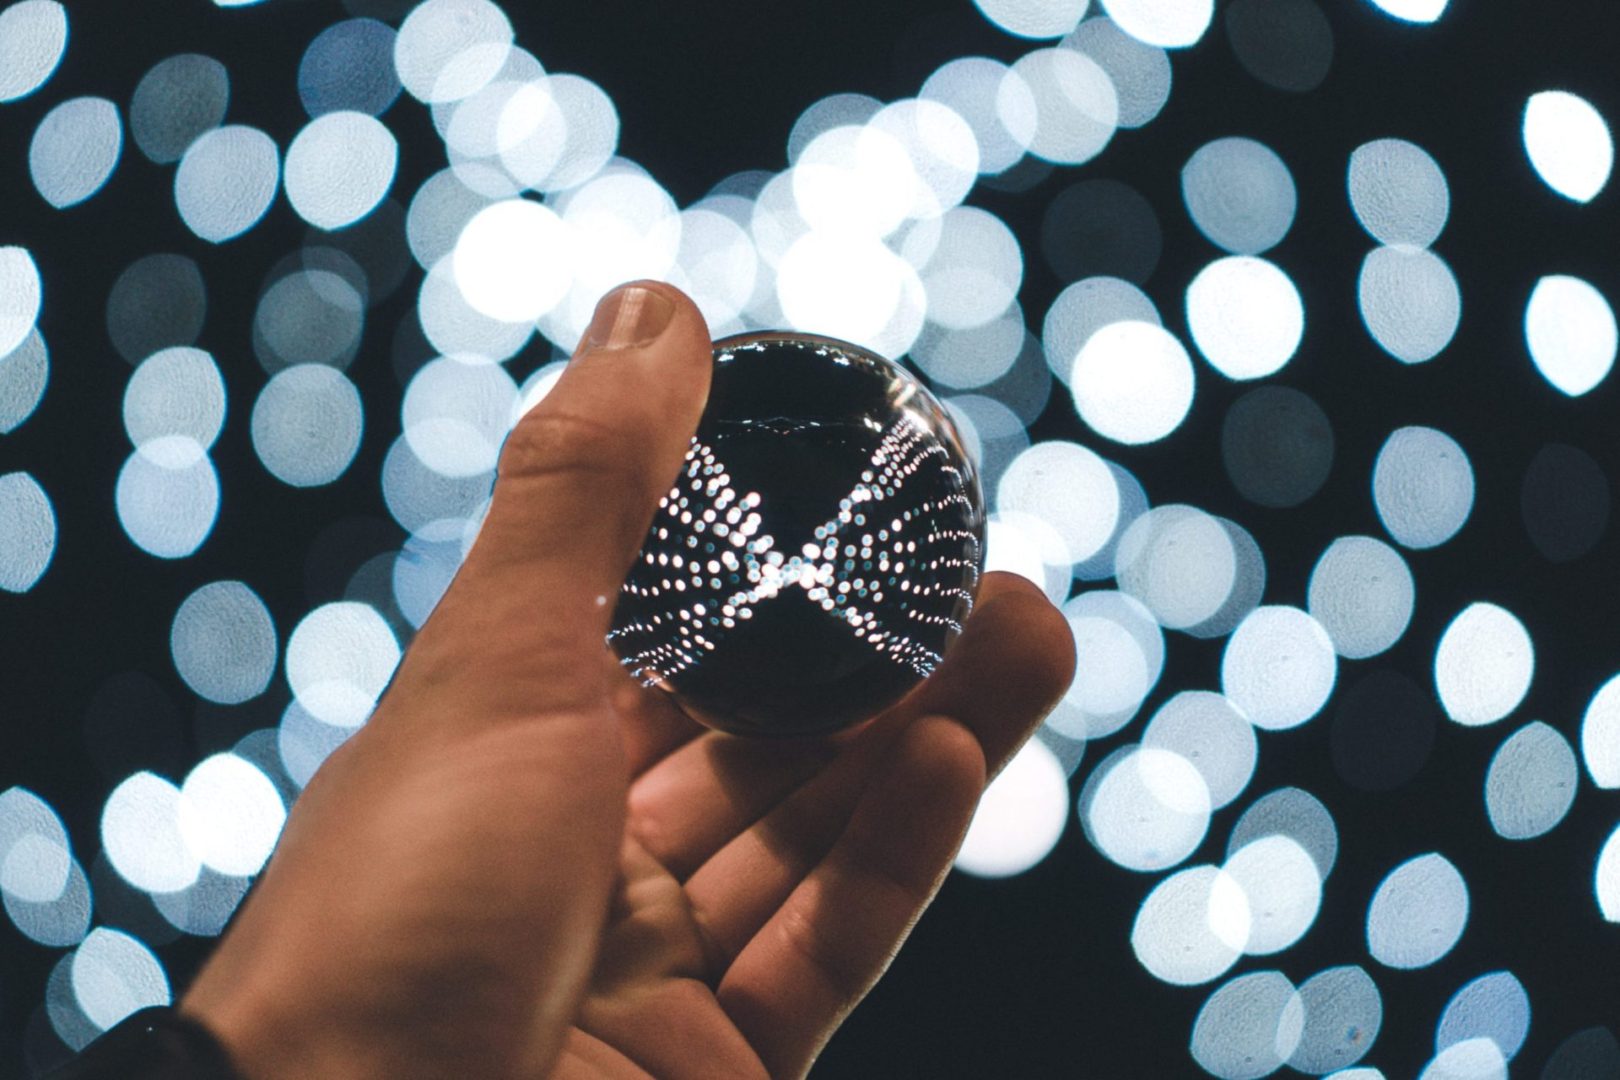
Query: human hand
x,y
527,865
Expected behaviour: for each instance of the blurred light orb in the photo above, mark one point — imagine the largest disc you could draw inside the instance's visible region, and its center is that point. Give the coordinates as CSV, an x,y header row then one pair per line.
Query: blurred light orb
x,y
19,296
349,66
1020,816
177,100
1493,1007
36,857
513,260
1026,545
1240,195
1207,730
1569,144
230,814
1286,44
826,528
303,742
1192,927
1249,1027
1474,1059
423,501
1418,913
1606,881
1409,302
832,111
224,643
1067,486
1592,1051
591,122
177,391
115,975
27,532
940,147
447,50
1145,808
1572,334
1284,889
204,907
1398,192
1082,309
1423,487
159,301
140,834
33,37
1296,814
74,150
1531,782
60,921
456,415
1246,316
1179,562
1279,667
1565,502
339,167
306,425
1120,653
1033,18
995,103
1343,1015
969,358
854,178
1362,593
1168,24
24,373
1277,446
167,496
973,275
1101,227
1076,105
1416,11
339,660
226,182
453,326
1132,382
310,316
853,288
716,265
1600,735
1140,72
1483,665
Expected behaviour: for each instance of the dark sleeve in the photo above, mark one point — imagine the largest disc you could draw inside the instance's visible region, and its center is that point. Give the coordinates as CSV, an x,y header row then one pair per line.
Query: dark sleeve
x,y
153,1044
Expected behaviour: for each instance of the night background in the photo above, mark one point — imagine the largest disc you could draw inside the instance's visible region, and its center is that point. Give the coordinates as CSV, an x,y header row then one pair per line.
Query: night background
x,y
1027,975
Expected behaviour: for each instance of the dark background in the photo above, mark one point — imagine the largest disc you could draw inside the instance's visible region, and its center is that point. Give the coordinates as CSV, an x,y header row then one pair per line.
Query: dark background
x,y
1033,976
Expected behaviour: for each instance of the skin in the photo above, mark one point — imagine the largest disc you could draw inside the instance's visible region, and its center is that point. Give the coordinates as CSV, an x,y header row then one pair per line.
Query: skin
x,y
525,865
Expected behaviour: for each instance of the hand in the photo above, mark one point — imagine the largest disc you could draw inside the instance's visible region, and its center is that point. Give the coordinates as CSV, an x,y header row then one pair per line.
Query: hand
x,y
526,865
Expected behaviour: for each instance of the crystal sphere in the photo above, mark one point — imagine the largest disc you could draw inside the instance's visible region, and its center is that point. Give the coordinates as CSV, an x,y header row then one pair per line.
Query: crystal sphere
x,y
819,550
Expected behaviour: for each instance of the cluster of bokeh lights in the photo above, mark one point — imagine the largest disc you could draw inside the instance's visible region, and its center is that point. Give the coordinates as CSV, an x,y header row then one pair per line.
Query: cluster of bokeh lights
x,y
864,235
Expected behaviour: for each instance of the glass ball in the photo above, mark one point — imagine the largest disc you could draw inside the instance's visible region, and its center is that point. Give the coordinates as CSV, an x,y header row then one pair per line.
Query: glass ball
x,y
819,550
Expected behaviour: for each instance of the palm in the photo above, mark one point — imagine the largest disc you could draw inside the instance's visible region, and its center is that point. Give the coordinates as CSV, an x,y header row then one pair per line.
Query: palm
x,y
765,885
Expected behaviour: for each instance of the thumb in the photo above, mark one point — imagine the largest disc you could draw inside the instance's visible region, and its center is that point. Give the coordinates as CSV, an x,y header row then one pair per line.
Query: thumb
x,y
522,626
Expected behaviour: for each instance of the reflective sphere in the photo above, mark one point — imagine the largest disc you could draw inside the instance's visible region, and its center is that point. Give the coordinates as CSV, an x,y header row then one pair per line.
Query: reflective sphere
x,y
819,550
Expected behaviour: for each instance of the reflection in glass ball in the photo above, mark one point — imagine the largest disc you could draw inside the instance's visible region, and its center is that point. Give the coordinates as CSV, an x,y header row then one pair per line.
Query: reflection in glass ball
x,y
819,550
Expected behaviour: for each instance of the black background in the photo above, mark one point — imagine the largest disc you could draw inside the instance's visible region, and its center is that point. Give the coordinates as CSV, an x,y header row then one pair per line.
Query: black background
x,y
1030,977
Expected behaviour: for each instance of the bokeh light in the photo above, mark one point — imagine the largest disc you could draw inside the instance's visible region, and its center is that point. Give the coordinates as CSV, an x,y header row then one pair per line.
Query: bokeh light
x,y
1279,667
33,37
1571,331
1483,665
1246,316
1020,816
1569,144
1240,195
1418,913
1249,1027
177,100
27,532
1531,782
226,182
1423,487
75,150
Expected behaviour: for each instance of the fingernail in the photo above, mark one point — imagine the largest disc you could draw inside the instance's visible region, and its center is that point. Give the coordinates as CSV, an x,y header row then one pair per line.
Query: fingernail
x,y
628,317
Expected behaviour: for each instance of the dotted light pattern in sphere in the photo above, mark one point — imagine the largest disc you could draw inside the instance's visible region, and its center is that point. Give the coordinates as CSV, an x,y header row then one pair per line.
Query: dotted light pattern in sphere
x,y
819,550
